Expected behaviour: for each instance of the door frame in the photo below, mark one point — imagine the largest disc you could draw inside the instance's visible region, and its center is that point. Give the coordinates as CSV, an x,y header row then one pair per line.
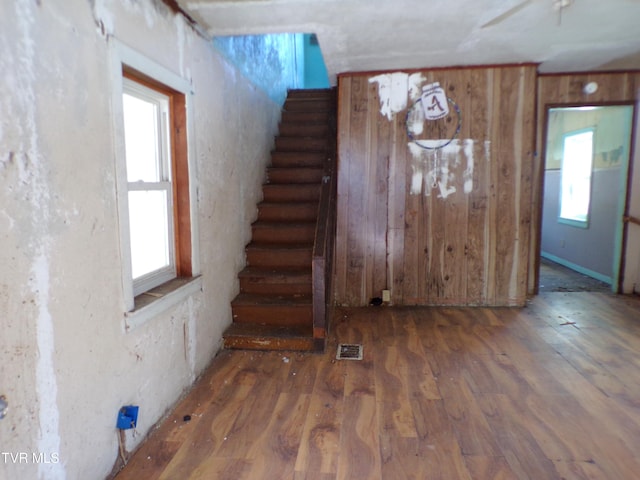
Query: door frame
x,y
626,172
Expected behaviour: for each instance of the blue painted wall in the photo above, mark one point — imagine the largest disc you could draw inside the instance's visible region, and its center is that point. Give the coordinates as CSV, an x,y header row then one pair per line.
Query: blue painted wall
x,y
269,61
315,71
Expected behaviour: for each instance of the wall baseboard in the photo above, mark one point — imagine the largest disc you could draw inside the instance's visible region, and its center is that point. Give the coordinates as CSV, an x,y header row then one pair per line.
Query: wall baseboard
x,y
577,268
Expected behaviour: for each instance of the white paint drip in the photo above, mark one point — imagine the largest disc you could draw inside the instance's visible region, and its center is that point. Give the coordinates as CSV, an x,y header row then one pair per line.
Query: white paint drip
x,y
443,183
46,384
415,122
415,85
416,180
467,175
434,168
392,90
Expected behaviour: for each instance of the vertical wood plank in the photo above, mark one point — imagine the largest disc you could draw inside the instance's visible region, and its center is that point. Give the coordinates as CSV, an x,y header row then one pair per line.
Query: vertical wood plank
x,y
397,192
342,217
357,177
478,115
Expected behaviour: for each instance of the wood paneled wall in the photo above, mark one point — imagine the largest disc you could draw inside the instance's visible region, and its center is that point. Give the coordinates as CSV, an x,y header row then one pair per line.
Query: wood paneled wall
x,y
402,227
567,89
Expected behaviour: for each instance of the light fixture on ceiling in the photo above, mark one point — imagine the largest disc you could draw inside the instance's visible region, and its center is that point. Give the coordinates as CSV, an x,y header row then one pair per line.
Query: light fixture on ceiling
x,y
589,88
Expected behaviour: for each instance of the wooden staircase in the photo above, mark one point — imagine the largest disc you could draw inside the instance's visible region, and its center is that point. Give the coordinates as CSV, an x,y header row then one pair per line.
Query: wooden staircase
x,y
274,309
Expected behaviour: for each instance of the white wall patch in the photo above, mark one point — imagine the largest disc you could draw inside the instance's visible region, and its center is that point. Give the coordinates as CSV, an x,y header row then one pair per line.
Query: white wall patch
x,y
392,90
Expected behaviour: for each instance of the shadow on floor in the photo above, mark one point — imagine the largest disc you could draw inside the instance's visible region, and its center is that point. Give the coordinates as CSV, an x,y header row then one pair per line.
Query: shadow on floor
x,y
557,278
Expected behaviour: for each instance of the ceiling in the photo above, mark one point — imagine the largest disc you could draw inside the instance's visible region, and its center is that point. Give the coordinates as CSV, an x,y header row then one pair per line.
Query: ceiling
x,y
371,35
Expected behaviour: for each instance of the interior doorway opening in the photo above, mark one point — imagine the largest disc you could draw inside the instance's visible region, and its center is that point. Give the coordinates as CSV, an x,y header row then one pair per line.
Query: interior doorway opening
x,y
587,154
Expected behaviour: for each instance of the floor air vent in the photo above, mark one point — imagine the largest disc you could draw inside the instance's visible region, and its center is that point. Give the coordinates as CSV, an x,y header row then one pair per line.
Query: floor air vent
x,y
349,351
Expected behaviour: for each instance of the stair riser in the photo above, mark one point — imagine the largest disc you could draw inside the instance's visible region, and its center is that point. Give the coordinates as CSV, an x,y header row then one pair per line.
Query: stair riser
x,y
280,258
298,159
297,193
301,130
301,144
284,235
308,105
274,212
305,117
282,315
248,286
294,175
312,93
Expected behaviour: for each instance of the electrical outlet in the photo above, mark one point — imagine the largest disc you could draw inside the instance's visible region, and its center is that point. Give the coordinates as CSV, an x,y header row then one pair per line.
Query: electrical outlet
x,y
386,295
127,417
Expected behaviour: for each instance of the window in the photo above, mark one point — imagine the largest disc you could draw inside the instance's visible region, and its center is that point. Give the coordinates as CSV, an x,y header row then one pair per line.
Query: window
x,y
157,185
147,146
575,190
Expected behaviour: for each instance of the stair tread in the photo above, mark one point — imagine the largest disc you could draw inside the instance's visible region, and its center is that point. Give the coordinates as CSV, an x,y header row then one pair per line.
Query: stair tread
x,y
288,203
298,159
301,168
281,224
257,329
292,186
272,246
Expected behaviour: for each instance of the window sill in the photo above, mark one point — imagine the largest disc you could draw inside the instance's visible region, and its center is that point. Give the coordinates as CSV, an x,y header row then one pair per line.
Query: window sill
x,y
574,223
157,300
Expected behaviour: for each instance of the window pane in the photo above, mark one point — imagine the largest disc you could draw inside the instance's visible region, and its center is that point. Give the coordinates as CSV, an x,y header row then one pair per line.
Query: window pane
x,y
141,139
149,229
576,176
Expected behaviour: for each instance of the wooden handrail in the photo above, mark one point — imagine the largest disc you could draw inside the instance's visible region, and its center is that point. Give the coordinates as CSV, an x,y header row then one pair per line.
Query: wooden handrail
x,y
322,261
630,219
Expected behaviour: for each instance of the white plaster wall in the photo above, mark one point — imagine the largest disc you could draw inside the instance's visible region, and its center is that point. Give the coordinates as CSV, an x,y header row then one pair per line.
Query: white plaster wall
x,y
66,363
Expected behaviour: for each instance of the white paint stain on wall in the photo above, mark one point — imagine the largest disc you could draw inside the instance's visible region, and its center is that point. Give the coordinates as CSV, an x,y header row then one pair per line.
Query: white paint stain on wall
x,y
40,280
392,90
415,82
467,176
435,168
46,384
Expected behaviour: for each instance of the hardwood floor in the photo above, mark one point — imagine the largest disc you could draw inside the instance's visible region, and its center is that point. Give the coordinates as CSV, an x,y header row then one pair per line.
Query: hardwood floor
x,y
549,391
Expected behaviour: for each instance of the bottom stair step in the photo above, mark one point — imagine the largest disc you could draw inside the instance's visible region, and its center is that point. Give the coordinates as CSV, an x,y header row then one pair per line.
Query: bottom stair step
x,y
249,336
280,310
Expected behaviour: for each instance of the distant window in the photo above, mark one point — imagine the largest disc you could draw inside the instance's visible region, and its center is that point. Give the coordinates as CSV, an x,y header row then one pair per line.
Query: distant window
x,y
575,190
157,184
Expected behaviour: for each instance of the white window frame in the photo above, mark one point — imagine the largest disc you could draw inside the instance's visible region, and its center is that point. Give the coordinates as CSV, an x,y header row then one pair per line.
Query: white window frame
x,y
161,101
124,56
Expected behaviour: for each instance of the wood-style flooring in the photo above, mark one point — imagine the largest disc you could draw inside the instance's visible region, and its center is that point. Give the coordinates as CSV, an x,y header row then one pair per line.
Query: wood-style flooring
x,y
558,278
549,391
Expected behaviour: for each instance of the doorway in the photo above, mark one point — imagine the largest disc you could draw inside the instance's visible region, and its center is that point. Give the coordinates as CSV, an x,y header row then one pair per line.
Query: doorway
x,y
585,188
